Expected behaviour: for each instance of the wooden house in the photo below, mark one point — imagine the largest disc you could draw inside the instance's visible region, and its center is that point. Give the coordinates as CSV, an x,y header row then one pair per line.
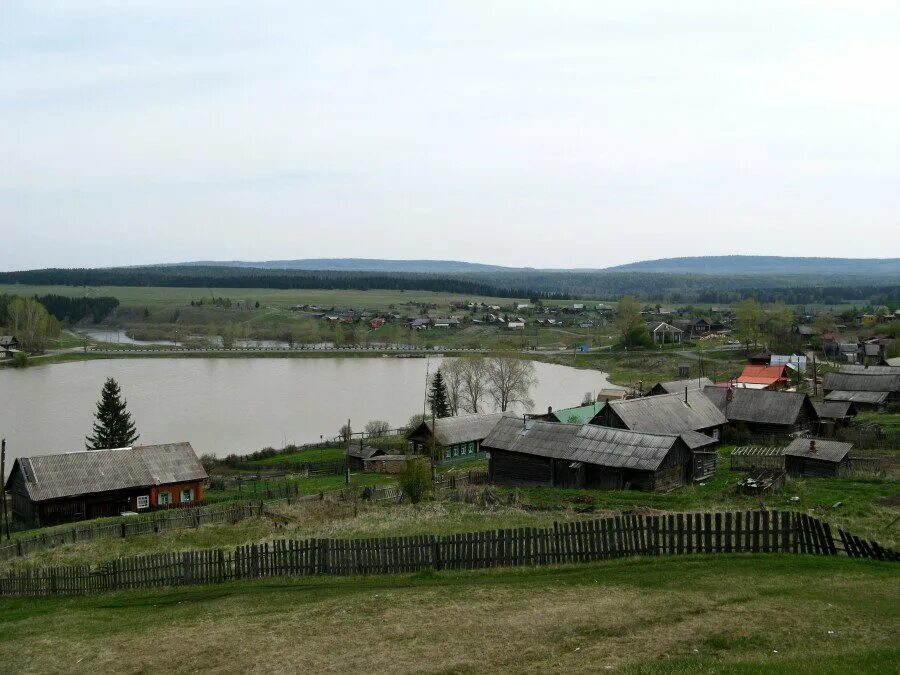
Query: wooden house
x,y
867,390
664,332
9,345
51,489
454,438
533,452
832,415
390,463
816,457
763,377
678,386
763,411
676,414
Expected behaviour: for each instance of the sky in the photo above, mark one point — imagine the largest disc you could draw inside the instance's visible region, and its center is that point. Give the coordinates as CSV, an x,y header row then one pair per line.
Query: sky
x,y
544,134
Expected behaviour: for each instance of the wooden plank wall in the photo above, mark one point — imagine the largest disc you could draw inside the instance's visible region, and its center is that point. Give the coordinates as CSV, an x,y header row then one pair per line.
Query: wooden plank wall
x,y
580,541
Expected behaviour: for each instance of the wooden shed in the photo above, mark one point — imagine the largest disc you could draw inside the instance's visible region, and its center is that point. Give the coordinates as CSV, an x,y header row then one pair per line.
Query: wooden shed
x,y
534,452
816,457
763,411
51,489
359,453
678,386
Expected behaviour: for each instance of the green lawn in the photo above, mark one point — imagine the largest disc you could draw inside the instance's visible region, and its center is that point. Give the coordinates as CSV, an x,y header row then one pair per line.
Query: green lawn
x,y
723,614
312,455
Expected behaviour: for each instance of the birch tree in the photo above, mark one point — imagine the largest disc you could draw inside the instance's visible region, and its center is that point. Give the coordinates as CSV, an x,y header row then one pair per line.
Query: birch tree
x,y
510,380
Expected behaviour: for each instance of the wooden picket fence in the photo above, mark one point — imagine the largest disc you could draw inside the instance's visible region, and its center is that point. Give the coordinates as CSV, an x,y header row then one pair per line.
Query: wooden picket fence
x,y
580,541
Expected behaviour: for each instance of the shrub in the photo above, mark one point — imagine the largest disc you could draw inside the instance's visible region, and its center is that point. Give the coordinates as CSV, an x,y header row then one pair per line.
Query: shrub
x,y
415,479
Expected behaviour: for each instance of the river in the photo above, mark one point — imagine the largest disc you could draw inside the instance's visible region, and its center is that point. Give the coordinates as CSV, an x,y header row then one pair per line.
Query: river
x,y
235,405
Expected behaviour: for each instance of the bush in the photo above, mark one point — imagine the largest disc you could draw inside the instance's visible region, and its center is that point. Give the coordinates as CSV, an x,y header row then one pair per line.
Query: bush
x,y
20,360
415,479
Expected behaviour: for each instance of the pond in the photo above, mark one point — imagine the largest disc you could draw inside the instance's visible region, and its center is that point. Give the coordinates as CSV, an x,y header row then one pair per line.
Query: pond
x,y
235,405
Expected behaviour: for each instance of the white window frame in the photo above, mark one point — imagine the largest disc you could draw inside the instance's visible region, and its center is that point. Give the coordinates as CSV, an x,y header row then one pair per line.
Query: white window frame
x,y
143,501
164,501
189,492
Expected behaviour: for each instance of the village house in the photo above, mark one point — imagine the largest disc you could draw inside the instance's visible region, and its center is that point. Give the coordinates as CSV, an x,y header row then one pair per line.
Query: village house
x,y
816,458
664,333
9,346
763,411
689,413
390,463
50,489
865,389
449,322
833,415
454,438
754,376
533,452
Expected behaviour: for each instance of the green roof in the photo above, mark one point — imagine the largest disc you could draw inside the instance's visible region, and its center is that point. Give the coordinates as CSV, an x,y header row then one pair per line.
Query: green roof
x,y
580,415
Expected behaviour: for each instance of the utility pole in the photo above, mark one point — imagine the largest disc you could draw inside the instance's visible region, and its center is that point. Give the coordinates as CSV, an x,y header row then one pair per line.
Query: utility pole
x,y
3,478
347,459
815,376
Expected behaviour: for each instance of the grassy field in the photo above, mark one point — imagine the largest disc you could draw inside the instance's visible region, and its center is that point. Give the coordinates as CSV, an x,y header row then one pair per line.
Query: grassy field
x,y
723,614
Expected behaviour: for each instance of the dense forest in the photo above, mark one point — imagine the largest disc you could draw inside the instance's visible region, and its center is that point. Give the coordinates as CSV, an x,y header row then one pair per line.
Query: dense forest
x,y
65,309
666,287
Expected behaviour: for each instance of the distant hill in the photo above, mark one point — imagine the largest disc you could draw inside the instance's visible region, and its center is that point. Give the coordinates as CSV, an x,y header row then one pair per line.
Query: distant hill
x,y
746,265
356,265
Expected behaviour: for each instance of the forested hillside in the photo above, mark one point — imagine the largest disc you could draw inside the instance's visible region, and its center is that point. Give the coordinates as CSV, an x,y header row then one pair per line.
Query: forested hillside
x,y
669,287
768,264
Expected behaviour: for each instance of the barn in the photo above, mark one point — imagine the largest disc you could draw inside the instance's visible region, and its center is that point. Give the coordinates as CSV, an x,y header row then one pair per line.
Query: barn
x,y
538,453
816,457
455,438
51,489
763,411
359,453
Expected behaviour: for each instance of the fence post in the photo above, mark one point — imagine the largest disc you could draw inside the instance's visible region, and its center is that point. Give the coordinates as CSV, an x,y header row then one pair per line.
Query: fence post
x,y
435,553
123,530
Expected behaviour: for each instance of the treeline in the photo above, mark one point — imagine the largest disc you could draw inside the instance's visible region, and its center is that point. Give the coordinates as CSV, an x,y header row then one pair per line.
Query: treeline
x,y
73,310
532,284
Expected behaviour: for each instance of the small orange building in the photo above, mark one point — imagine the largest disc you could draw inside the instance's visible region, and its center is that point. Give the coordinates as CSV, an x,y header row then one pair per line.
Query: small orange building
x,y
764,377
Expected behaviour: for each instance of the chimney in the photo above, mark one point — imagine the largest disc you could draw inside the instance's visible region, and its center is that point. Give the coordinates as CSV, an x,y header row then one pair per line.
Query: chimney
x,y
729,394
812,445
549,409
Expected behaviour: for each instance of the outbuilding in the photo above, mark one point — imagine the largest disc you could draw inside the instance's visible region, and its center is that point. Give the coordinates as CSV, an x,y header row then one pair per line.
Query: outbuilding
x,y
763,411
816,457
359,453
454,438
678,386
52,489
537,453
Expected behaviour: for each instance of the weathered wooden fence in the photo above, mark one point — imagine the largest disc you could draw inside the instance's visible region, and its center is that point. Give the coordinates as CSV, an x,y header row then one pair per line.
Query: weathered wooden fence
x,y
152,523
580,541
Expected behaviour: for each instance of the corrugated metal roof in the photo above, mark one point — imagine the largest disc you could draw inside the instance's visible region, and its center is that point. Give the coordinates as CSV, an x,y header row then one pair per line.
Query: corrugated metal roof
x,y
871,370
90,471
761,406
668,413
830,451
587,443
859,381
694,439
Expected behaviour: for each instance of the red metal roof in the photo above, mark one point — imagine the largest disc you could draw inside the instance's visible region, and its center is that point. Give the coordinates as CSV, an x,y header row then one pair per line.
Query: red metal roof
x,y
767,375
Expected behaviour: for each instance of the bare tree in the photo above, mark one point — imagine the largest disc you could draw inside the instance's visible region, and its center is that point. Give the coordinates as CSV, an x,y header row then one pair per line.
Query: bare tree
x,y
510,380
377,428
474,382
452,371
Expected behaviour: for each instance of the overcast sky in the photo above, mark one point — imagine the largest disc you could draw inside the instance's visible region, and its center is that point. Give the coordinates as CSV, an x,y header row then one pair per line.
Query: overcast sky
x,y
550,134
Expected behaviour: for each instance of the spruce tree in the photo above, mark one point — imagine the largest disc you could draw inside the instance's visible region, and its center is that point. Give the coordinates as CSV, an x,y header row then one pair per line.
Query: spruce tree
x,y
113,428
438,396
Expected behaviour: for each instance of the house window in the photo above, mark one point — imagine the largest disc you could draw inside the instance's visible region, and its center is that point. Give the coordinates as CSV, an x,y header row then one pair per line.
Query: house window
x,y
164,498
187,495
471,448
715,434
143,501
456,451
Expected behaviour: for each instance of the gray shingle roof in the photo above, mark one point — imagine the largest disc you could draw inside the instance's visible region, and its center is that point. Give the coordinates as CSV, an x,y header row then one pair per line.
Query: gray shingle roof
x,y
89,471
832,410
694,439
761,406
363,452
668,413
465,428
830,451
861,382
588,443
869,397
677,386
871,370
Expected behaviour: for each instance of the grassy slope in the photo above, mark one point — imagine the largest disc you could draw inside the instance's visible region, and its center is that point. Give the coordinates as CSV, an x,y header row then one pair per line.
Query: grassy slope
x,y
727,613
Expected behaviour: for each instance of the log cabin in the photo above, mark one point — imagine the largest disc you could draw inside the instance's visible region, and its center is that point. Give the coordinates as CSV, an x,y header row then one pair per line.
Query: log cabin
x,y
51,489
816,457
538,453
764,411
454,438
